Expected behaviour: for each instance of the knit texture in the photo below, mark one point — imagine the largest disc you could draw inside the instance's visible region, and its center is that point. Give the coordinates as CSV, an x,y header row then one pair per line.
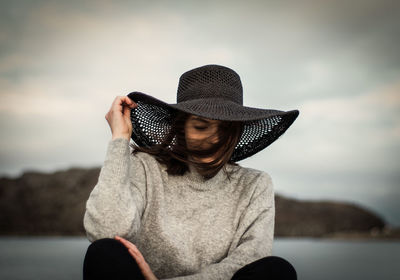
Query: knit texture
x,y
186,227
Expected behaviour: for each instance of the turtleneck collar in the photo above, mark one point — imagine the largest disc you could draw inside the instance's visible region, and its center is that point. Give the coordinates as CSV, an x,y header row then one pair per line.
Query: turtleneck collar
x,y
197,181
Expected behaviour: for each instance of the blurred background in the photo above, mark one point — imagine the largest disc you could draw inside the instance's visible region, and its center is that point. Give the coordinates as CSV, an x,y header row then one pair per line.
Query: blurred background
x,y
337,62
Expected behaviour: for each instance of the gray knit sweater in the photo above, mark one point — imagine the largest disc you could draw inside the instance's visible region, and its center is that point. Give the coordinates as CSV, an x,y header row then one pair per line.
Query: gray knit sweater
x,y
187,228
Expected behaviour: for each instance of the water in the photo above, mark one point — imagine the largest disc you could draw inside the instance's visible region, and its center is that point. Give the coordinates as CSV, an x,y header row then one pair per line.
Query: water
x,y
62,258
333,260
42,258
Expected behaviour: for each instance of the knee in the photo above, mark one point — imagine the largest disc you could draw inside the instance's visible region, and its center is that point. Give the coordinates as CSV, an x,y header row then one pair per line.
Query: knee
x,y
273,267
279,267
105,247
108,258
104,242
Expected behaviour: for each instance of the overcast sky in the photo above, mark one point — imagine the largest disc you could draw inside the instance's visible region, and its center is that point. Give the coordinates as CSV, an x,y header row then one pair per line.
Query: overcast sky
x,y
337,62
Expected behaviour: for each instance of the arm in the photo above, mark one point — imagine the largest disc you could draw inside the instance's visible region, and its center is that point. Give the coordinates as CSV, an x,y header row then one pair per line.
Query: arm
x,y
253,239
117,202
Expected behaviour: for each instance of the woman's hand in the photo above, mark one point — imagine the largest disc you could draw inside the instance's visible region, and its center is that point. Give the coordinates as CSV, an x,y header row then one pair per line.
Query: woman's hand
x,y
119,119
143,265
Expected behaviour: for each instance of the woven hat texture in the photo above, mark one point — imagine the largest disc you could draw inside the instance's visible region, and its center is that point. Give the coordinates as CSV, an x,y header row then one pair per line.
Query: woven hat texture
x,y
214,92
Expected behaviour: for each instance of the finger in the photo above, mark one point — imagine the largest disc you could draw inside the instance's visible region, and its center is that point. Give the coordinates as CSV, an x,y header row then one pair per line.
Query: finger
x,y
139,259
143,265
122,240
132,249
130,246
126,111
127,101
118,103
134,255
136,250
132,103
127,243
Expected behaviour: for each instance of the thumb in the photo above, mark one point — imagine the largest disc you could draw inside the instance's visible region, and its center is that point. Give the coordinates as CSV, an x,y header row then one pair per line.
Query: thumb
x,y
131,103
126,112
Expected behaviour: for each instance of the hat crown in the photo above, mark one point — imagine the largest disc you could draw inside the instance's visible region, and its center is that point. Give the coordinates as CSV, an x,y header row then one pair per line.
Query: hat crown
x,y
210,82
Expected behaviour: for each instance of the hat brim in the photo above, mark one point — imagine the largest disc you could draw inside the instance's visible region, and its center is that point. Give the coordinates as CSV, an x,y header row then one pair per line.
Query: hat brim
x,y
152,118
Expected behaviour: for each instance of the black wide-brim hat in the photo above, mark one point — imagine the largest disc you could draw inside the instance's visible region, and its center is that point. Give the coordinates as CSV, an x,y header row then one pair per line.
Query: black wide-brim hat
x,y
213,92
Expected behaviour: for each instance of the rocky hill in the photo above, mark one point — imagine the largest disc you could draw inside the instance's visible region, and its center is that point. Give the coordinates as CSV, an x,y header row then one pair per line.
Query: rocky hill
x,y
54,204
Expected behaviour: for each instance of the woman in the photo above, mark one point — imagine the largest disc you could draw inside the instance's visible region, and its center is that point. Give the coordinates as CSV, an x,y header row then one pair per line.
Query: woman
x,y
179,206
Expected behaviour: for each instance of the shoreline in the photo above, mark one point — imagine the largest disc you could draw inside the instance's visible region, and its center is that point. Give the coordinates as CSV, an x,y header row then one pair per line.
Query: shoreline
x,y
338,236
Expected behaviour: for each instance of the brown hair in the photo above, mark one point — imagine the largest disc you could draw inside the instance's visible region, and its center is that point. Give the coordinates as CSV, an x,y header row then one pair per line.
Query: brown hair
x,y
174,153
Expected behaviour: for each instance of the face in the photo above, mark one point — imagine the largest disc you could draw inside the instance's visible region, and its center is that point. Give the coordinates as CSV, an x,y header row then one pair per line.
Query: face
x,y
198,129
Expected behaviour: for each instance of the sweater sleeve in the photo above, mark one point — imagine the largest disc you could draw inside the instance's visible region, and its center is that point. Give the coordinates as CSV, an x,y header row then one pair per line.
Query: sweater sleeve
x,y
117,201
253,239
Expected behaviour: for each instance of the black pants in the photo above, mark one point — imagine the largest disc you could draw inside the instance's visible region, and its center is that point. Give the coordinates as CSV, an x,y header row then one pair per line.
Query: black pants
x,y
108,258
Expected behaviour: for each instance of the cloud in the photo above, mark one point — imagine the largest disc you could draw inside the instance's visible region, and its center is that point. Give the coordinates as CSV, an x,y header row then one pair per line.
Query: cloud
x,y
63,63
350,134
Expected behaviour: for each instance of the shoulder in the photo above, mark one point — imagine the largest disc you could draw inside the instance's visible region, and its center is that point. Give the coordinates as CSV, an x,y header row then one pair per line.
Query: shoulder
x,y
255,186
262,191
251,182
251,175
149,161
143,156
